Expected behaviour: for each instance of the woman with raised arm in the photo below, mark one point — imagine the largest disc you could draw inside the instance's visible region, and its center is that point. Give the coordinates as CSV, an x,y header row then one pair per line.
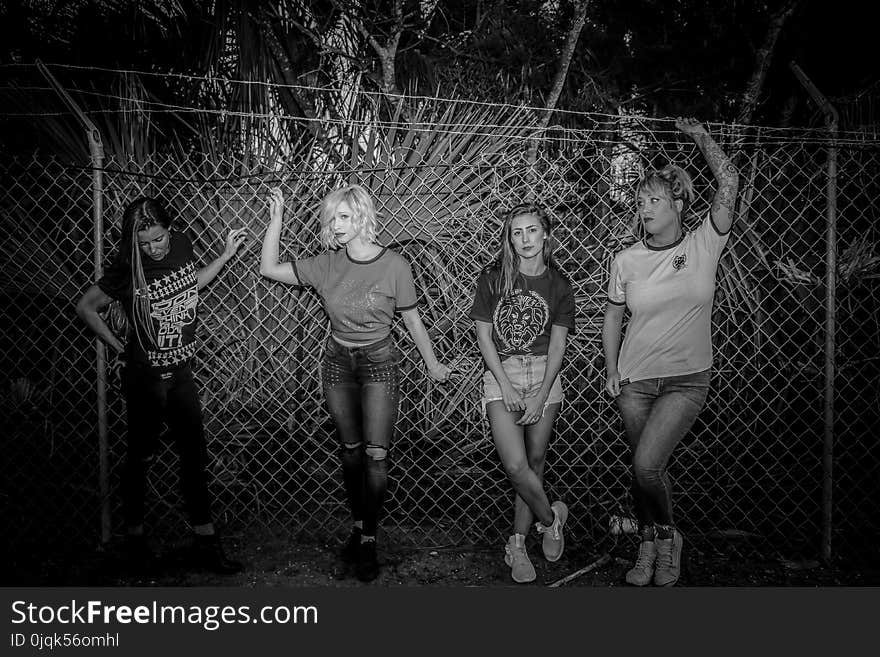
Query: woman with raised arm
x,y
660,375
524,310
362,284
155,277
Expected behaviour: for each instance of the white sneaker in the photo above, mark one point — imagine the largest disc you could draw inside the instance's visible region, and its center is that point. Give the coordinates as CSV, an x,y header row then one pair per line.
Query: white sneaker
x,y
516,556
554,540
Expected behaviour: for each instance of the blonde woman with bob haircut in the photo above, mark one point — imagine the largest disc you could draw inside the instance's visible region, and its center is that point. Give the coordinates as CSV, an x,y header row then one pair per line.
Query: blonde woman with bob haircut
x,y
362,284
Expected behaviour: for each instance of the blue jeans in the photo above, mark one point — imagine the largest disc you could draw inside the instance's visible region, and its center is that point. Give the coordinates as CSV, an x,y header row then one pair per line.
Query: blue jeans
x,y
657,413
361,387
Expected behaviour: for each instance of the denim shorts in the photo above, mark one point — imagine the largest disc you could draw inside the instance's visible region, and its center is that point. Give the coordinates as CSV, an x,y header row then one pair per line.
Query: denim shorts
x,y
526,374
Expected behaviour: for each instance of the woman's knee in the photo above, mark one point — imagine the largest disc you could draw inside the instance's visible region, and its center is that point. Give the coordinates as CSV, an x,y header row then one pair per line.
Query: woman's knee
x,y
536,463
647,471
516,469
377,462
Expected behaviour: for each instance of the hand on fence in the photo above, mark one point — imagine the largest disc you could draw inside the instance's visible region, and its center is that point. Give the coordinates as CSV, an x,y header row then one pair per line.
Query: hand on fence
x,y
234,240
276,204
117,364
690,126
440,372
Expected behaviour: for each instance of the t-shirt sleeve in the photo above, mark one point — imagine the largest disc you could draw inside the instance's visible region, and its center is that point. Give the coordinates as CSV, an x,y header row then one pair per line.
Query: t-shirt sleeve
x,y
404,287
709,239
565,306
481,308
186,246
616,285
313,271
116,281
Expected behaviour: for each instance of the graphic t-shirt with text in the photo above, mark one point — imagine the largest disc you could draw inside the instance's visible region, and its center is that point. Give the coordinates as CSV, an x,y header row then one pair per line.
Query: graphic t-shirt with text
x,y
173,291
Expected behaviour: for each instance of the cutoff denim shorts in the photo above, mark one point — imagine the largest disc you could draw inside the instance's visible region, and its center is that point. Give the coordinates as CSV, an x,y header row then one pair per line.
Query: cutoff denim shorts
x,y
526,373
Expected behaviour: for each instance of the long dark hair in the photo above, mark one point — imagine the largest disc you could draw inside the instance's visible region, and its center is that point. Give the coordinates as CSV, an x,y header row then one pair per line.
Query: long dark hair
x,y
508,260
140,214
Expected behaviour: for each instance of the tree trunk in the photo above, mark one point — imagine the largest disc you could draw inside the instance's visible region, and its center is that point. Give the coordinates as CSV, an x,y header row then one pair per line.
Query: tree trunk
x,y
388,53
574,33
292,100
762,61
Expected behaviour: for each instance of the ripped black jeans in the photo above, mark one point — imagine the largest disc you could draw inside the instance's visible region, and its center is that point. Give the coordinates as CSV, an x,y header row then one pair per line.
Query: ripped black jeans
x,y
362,390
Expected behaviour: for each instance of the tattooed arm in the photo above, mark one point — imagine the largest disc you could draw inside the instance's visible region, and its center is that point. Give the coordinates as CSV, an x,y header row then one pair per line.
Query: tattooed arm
x,y
726,176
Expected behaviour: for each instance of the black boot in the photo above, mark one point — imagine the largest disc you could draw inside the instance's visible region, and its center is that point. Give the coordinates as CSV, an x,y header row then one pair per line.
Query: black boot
x,y
367,564
348,555
139,558
206,553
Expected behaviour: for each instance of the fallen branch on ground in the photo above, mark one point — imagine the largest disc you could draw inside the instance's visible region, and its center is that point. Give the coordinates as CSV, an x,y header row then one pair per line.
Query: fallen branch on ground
x,y
601,561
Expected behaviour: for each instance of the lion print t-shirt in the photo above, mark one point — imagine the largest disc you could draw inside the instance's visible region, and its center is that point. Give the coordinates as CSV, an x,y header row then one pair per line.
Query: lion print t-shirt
x,y
522,321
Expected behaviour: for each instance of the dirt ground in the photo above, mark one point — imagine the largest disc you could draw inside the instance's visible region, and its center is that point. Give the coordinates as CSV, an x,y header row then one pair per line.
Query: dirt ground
x,y
280,558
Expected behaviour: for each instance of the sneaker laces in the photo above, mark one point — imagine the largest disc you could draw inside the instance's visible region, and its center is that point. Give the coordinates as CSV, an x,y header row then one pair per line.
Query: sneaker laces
x,y
515,552
664,555
645,559
553,528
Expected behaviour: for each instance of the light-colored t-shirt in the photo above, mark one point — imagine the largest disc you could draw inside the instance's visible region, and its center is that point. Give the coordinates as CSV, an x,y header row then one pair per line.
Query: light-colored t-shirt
x,y
669,292
360,296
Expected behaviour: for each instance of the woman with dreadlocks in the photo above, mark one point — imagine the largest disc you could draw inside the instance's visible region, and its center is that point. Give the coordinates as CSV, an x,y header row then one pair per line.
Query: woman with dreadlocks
x,y
155,277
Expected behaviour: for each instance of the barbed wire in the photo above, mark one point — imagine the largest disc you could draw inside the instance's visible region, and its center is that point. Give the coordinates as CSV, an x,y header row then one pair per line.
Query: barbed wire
x,y
380,95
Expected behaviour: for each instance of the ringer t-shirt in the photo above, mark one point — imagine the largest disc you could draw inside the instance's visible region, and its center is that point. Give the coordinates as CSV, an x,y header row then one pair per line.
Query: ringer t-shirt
x,y
669,292
360,296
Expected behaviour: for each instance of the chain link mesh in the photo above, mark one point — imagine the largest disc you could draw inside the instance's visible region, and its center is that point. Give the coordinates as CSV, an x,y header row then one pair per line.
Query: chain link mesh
x,y
751,464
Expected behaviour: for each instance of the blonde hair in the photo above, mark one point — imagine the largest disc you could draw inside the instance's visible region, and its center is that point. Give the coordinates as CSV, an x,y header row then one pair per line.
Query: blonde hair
x,y
674,183
363,214
508,260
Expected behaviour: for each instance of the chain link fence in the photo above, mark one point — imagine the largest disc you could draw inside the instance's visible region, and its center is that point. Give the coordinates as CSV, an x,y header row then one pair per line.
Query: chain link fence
x,y
753,463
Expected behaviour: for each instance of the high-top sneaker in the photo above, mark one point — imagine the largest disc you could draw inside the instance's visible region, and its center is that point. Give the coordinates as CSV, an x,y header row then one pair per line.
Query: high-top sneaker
x,y
517,557
553,542
668,566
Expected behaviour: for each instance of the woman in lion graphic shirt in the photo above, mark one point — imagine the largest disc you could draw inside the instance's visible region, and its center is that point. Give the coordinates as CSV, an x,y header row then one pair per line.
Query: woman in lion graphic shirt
x,y
524,310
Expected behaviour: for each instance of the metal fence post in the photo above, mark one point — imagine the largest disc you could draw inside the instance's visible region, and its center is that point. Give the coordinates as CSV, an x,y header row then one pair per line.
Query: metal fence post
x,y
96,150
831,120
